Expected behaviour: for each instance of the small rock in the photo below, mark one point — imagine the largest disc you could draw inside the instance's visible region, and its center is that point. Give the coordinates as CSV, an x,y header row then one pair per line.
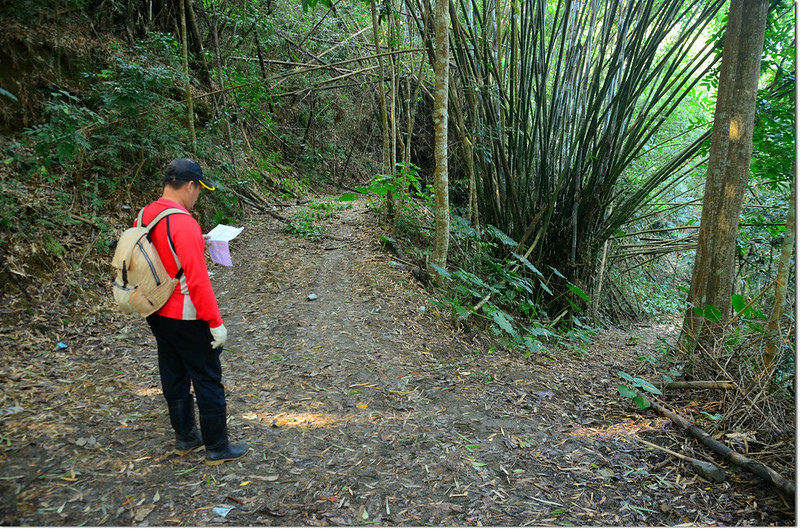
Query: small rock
x,y
312,297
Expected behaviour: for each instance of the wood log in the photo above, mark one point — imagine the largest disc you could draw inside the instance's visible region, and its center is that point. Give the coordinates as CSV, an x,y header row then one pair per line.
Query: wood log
x,y
786,487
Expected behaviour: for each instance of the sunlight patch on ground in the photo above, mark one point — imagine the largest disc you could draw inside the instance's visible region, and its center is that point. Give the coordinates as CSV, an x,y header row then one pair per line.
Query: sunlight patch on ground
x,y
148,392
296,420
623,429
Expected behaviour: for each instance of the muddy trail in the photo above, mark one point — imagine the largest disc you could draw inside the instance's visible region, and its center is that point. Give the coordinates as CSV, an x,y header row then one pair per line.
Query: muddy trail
x,y
362,404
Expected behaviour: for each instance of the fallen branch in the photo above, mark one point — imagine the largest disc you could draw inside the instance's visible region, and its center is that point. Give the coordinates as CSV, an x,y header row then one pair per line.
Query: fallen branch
x,y
265,208
786,487
700,384
710,471
90,222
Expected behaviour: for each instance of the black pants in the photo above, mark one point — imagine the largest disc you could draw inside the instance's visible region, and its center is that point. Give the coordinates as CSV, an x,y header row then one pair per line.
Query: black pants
x,y
185,355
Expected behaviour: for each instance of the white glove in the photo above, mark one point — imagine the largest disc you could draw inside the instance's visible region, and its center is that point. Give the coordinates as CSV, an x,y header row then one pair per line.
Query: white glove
x,y
220,334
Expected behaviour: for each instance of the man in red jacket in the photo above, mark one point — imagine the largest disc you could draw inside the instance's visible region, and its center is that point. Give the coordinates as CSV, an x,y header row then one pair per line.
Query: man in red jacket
x,y
189,331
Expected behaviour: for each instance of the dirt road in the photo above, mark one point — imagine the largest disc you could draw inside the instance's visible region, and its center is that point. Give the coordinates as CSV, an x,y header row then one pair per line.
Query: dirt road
x,y
362,404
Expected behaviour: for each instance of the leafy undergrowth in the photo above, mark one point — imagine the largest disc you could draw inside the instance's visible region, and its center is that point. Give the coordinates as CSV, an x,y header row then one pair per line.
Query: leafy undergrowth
x,y
362,405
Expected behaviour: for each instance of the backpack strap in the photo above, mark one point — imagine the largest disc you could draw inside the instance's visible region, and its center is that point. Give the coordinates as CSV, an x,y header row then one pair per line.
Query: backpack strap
x,y
152,224
157,219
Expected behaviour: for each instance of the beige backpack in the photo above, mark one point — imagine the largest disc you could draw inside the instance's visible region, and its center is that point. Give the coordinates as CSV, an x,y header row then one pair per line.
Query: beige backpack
x,y
142,285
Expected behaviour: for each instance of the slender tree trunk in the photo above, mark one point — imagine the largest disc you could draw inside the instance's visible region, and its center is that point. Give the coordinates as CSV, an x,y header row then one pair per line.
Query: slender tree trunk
x,y
221,80
192,22
726,180
440,97
411,109
394,89
260,55
187,80
781,283
387,156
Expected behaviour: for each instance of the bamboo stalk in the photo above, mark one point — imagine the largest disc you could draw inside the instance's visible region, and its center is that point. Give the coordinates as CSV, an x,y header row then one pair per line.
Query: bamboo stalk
x,y
187,79
781,285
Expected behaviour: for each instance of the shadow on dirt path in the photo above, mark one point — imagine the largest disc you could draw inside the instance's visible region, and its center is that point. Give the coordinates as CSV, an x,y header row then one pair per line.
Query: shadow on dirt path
x,y
362,406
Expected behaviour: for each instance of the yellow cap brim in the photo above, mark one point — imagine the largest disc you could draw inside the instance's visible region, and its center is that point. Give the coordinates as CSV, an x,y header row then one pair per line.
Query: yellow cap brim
x,y
212,188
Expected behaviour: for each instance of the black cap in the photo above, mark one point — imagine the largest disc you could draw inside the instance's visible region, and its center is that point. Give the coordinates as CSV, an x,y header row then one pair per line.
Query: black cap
x,y
186,169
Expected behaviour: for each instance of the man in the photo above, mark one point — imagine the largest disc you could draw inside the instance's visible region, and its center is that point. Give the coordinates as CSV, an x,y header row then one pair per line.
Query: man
x,y
189,329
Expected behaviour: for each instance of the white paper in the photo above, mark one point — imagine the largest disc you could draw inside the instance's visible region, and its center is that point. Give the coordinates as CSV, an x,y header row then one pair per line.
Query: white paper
x,y
221,232
217,241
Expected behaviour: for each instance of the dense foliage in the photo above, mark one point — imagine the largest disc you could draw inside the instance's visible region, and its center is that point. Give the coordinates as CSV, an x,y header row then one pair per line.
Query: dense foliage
x,y
579,139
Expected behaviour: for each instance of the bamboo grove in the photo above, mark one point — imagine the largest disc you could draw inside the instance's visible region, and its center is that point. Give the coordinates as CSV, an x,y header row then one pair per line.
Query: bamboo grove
x,y
554,101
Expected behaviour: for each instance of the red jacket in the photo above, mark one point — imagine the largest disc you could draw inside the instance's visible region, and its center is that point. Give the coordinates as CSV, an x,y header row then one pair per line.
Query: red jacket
x,y
194,297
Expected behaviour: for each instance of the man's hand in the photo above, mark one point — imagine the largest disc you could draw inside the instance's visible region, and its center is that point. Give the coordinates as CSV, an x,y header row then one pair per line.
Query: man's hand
x,y
220,335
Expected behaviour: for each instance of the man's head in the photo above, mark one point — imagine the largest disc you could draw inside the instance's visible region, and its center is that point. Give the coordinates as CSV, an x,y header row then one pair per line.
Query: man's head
x,y
182,170
183,181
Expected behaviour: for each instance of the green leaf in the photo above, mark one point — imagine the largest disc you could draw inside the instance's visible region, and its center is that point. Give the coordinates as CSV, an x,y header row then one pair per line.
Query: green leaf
x,y
347,197
439,270
532,346
538,331
647,386
738,302
578,291
8,95
501,235
641,402
626,392
625,376
473,279
461,311
502,319
527,263
712,313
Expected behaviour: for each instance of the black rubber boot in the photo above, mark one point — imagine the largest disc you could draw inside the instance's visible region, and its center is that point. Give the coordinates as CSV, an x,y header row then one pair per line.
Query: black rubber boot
x,y
214,425
181,417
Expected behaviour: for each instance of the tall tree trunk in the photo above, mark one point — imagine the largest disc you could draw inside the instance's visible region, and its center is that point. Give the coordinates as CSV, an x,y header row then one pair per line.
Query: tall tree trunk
x,y
221,80
191,20
410,109
391,24
187,80
440,97
387,155
781,283
728,169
